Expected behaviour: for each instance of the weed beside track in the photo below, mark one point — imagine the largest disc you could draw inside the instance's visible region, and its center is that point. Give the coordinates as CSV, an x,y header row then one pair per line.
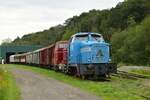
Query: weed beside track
x,y
130,75
8,88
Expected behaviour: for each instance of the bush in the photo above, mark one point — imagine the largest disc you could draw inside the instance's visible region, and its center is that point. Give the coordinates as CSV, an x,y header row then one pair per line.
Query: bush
x,y
133,45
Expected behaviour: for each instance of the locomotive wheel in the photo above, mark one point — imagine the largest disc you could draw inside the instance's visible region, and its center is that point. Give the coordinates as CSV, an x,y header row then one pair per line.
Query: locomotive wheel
x,y
66,70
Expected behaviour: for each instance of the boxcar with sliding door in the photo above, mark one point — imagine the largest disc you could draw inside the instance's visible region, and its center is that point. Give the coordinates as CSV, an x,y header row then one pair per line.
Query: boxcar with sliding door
x,y
60,55
50,58
43,56
36,57
29,58
22,58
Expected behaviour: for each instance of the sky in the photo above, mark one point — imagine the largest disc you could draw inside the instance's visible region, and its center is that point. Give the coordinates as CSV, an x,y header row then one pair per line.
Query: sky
x,y
19,17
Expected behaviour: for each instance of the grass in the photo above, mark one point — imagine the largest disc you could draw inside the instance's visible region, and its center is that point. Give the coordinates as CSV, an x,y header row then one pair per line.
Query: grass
x,y
116,89
8,88
142,72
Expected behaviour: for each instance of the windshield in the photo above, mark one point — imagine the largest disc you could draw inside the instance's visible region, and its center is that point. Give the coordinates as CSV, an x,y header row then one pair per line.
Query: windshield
x,y
96,37
81,37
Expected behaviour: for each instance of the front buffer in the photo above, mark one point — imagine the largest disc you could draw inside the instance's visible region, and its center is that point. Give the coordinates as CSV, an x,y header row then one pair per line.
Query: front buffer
x,y
96,70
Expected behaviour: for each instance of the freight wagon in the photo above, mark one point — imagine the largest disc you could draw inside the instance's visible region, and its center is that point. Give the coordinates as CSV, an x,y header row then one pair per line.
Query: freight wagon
x,y
53,56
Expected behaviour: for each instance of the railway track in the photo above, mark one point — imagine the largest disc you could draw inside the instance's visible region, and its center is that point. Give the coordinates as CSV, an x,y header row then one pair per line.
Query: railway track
x,y
146,97
129,75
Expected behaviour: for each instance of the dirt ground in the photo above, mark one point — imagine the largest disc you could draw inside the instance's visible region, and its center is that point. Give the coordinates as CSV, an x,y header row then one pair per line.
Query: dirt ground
x,y
128,68
37,87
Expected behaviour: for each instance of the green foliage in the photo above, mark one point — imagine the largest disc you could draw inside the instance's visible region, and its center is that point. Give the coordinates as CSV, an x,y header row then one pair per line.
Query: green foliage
x,y
8,88
6,42
43,38
133,45
135,9
106,22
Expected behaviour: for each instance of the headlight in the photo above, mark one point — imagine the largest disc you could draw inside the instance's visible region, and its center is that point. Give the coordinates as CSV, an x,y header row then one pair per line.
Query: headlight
x,y
109,60
86,49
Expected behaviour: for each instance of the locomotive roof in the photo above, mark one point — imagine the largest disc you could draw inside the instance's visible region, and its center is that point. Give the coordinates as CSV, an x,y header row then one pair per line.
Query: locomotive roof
x,y
85,33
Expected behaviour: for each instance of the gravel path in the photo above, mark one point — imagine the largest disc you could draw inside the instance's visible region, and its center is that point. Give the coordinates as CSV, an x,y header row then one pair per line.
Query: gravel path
x,y
128,68
37,87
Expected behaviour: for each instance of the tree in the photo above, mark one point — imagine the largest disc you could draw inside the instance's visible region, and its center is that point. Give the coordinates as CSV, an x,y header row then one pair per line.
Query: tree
x,y
133,45
6,41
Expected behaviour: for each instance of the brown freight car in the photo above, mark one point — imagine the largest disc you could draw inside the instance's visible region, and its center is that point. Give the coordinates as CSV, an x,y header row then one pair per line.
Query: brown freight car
x,y
43,55
54,56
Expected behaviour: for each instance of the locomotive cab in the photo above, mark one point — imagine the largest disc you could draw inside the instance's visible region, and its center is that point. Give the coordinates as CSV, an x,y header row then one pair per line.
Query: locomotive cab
x,y
89,54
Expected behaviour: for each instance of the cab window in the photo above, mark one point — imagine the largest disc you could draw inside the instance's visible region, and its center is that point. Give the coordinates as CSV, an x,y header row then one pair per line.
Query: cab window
x,y
96,37
81,37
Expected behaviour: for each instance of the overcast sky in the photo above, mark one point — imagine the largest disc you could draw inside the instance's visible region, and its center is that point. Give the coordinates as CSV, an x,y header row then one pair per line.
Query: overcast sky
x,y
19,17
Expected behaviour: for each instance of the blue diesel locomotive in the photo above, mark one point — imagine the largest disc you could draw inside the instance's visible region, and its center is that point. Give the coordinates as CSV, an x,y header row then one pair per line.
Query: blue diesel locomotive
x,y
89,56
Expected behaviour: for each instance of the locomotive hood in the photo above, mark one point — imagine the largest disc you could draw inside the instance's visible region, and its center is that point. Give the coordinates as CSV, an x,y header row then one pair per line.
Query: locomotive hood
x,y
88,48
94,52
